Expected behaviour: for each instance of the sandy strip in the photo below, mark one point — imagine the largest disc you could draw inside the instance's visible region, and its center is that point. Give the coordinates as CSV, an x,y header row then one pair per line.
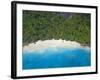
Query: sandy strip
x,y
40,45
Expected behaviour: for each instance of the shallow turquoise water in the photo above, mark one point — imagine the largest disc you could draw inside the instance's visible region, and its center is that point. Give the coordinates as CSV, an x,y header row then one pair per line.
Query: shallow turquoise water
x,y
56,58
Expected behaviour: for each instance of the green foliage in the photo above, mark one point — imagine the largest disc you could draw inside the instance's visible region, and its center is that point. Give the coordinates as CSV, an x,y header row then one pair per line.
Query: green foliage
x,y
38,25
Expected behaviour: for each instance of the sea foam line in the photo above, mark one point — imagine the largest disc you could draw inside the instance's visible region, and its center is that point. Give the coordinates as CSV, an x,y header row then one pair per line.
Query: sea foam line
x,y
42,45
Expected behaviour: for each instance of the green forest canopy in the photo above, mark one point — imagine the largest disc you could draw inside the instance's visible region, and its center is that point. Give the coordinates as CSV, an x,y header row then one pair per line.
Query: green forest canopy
x,y
42,25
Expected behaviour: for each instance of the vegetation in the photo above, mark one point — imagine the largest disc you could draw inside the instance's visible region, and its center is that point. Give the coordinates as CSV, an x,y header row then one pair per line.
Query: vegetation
x,y
42,25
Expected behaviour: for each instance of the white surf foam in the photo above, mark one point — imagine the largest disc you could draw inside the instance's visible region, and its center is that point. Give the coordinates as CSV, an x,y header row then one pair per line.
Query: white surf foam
x,y
41,45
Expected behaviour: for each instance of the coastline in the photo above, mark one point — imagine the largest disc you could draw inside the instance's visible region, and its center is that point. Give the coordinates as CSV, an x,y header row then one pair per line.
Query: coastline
x,y
41,45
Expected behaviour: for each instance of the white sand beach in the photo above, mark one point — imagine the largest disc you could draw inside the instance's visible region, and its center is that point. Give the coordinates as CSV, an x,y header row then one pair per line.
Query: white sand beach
x,y
41,45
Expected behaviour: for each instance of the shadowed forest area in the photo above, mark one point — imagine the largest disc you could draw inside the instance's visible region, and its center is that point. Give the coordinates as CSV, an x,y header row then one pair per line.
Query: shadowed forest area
x,y
42,25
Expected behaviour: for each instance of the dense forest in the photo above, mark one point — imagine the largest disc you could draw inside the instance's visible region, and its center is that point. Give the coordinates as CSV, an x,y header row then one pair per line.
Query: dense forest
x,y
42,25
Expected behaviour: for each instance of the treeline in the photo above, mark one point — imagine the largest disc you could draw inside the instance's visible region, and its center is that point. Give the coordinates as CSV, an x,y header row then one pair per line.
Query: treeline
x,y
38,25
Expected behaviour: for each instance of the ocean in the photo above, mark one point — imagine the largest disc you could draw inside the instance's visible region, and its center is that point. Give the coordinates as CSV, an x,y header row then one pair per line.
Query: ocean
x,y
56,58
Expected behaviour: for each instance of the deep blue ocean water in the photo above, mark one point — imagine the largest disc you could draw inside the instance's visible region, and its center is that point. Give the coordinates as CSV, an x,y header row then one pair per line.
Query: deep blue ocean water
x,y
56,58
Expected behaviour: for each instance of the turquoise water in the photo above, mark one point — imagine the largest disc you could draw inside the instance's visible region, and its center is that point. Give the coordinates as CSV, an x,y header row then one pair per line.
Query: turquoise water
x,y
56,58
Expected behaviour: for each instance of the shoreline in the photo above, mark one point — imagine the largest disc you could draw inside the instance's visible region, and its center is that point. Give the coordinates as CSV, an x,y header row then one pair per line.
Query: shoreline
x,y
40,45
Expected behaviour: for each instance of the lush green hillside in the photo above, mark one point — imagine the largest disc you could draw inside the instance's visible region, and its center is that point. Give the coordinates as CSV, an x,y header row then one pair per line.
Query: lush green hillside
x,y
39,25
